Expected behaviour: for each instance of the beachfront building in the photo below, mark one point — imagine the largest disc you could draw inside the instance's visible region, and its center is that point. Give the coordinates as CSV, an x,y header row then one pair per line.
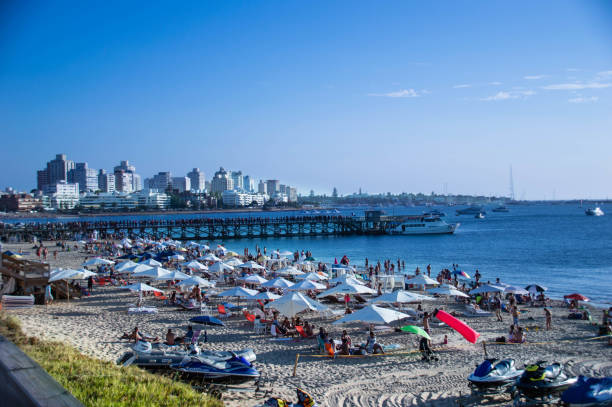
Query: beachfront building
x,y
222,181
237,198
262,187
272,186
126,178
197,179
86,177
181,184
249,183
20,202
62,195
55,171
106,182
122,201
237,180
160,181
292,195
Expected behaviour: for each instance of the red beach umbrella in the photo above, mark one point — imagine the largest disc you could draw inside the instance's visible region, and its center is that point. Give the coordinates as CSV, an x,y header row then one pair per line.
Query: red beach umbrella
x,y
577,297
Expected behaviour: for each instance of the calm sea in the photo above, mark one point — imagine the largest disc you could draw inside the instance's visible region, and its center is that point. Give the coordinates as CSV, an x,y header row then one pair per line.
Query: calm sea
x,y
557,246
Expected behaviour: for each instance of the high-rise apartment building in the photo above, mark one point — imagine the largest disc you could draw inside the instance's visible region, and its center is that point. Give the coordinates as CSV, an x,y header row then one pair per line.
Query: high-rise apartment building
x,y
249,183
181,184
222,181
273,187
106,182
126,179
86,177
55,171
237,180
262,187
160,181
198,180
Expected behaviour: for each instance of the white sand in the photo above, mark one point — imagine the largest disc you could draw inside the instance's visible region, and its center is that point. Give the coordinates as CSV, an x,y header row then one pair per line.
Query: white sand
x,y
94,324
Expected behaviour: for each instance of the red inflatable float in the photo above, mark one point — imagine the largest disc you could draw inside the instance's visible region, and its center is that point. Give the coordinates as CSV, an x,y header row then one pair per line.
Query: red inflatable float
x,y
459,326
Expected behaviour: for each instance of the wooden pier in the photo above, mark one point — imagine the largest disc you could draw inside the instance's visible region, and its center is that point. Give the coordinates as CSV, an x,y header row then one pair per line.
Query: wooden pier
x,y
207,228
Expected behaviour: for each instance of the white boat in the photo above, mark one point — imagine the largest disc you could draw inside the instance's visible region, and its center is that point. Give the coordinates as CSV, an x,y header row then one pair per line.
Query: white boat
x,y
422,225
479,215
594,211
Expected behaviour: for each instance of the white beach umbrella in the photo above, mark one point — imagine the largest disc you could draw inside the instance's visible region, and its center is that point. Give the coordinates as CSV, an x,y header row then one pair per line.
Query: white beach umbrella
x,y
210,257
293,303
195,265
124,265
285,253
400,296
266,295
346,278
138,268
151,262
346,288
306,285
83,274
374,315
310,276
486,288
234,261
251,265
61,274
254,279
97,261
422,279
240,292
515,290
141,287
178,257
220,267
447,291
154,272
277,282
289,271
173,275
195,280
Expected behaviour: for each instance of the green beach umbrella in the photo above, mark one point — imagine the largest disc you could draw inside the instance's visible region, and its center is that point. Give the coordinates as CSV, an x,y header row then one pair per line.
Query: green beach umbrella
x,y
416,330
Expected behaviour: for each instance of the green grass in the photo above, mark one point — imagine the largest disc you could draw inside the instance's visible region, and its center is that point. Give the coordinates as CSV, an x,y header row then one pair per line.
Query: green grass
x,y
99,383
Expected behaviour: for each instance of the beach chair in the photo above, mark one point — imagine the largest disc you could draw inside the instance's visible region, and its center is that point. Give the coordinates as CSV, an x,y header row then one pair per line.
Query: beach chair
x,y
300,331
249,317
222,312
159,296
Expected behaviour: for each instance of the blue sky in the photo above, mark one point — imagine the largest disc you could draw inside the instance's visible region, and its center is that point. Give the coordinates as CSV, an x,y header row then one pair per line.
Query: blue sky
x,y
387,96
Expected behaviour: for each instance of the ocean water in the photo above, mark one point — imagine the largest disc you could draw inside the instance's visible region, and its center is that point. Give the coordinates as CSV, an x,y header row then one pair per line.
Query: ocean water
x,y
556,246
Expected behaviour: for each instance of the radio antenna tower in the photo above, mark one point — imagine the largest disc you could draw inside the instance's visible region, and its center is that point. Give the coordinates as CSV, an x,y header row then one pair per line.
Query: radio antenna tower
x,y
511,185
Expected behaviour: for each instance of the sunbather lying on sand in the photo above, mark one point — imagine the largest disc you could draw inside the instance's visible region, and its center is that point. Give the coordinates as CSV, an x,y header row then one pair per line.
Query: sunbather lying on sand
x,y
137,336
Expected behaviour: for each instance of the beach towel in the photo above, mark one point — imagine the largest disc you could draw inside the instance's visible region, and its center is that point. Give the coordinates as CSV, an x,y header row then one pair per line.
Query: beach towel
x,y
142,310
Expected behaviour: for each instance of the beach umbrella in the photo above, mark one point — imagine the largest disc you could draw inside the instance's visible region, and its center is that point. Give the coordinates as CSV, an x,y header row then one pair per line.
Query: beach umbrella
x,y
422,279
155,272
141,287
486,288
290,271
97,261
195,265
233,262
306,285
124,265
515,290
278,282
220,267
251,265
416,330
373,314
254,279
195,280
83,274
293,303
447,291
346,288
231,254
138,268
346,278
576,296
173,275
285,253
210,257
151,262
178,257
310,276
532,288
400,296
206,320
266,295
239,292
62,274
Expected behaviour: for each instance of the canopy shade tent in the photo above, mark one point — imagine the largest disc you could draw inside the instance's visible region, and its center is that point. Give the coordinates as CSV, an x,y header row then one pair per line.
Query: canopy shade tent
x,y
487,288
251,265
306,285
346,288
240,292
97,261
277,282
400,296
266,295
195,265
373,314
422,279
254,279
447,291
151,262
124,265
293,303
195,280
220,267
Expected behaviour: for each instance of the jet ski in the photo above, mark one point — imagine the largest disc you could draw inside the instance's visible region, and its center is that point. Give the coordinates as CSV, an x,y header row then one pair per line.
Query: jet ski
x,y
494,376
541,382
589,392
234,370
143,354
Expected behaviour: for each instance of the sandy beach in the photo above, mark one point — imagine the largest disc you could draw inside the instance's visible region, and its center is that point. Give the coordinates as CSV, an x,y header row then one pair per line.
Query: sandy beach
x,y
94,324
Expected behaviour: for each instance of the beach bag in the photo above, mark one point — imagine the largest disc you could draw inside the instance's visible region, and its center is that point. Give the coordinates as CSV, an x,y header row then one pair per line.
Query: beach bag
x,y
304,399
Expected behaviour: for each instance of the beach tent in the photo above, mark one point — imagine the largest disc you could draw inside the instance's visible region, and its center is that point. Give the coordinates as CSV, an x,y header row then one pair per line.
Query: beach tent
x,y
220,267
251,265
97,261
346,288
266,295
278,282
254,279
195,280
374,315
239,292
306,285
293,303
195,265
151,262
422,279
486,288
448,291
400,296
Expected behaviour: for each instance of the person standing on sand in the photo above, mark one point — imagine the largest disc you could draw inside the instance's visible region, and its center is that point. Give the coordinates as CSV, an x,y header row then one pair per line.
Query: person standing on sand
x,y
548,315
497,304
426,322
515,315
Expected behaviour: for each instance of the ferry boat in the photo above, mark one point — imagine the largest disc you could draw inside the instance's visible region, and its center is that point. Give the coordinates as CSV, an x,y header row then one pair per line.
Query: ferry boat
x,y
594,211
472,210
422,225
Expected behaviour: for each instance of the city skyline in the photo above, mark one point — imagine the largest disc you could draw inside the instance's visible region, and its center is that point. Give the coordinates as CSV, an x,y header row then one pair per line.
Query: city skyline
x,y
394,98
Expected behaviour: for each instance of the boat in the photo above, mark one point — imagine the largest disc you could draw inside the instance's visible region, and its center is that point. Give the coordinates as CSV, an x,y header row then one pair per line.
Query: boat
x,y
472,210
143,354
494,376
422,225
501,208
234,370
542,382
594,211
479,215
435,212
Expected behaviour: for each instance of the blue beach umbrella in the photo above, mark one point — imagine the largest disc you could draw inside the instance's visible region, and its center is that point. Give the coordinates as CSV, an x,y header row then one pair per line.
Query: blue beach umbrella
x,y
207,320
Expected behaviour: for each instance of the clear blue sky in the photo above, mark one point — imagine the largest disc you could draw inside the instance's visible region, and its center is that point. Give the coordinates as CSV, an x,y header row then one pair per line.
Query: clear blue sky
x,y
388,96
